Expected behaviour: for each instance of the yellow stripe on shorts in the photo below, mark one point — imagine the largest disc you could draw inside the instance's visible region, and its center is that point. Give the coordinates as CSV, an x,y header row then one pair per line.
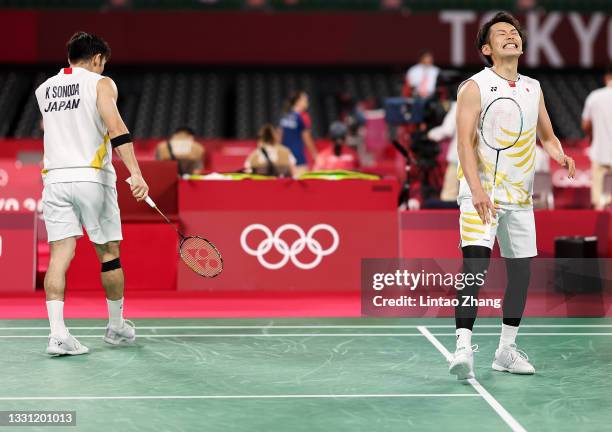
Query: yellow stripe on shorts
x,y
472,221
472,230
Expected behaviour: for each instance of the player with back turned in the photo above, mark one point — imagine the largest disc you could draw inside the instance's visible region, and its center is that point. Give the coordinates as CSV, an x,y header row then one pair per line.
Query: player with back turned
x,y
82,127
497,159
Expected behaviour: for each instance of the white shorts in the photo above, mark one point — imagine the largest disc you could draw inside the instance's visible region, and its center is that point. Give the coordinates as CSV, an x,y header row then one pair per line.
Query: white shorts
x,y
67,207
514,229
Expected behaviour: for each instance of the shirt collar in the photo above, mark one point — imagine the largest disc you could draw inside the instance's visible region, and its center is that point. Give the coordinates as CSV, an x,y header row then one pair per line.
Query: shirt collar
x,y
518,76
70,70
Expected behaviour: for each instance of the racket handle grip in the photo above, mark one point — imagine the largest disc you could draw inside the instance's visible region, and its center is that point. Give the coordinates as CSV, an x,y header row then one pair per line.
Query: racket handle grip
x,y
488,227
148,199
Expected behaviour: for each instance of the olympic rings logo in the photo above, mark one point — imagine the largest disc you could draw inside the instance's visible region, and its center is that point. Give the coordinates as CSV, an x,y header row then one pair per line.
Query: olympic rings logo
x,y
274,240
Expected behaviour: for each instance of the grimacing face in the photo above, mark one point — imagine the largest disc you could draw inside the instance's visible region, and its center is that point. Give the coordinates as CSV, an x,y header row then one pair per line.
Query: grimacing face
x,y
504,41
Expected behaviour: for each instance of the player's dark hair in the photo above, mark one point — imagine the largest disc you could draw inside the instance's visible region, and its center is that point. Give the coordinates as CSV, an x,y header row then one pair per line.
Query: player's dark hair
x,y
83,46
184,129
292,99
608,70
483,36
266,134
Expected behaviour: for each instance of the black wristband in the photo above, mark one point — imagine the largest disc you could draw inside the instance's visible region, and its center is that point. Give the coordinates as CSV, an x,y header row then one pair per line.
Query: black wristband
x,y
121,139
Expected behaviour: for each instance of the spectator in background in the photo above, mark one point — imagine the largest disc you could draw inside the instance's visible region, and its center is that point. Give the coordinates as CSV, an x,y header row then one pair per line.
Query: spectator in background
x,y
597,123
448,129
183,148
421,80
338,156
271,157
422,77
295,128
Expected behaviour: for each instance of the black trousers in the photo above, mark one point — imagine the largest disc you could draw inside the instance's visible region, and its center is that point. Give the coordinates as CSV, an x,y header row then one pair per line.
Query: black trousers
x,y
476,260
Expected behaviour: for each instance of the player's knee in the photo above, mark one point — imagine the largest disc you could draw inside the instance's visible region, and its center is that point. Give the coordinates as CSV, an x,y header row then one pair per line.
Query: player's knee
x,y
62,252
476,259
112,248
108,251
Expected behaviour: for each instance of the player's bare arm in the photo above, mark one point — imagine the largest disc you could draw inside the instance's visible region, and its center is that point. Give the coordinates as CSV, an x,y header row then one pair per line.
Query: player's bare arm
x,y
107,107
468,112
550,142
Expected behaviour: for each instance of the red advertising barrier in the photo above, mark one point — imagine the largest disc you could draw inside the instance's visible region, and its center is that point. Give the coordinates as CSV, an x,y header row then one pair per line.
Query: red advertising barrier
x,y
435,233
289,236
17,251
148,256
221,155
572,193
161,176
20,186
557,39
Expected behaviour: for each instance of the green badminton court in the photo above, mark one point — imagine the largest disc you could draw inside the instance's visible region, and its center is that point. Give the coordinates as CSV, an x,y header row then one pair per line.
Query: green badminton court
x,y
309,375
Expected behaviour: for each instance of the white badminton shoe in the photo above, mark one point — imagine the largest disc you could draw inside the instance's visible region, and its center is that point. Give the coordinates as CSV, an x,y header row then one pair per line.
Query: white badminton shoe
x,y
68,345
510,359
120,336
462,362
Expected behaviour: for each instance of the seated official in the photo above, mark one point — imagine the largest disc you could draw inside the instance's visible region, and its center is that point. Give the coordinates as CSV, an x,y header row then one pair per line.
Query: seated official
x,y
183,148
337,156
270,157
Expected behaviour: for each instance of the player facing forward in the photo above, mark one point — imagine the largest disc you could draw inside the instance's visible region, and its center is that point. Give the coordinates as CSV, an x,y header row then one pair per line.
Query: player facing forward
x,y
82,127
510,217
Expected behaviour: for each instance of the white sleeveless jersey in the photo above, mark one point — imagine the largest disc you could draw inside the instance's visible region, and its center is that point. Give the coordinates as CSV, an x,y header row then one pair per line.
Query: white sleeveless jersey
x,y
77,145
516,166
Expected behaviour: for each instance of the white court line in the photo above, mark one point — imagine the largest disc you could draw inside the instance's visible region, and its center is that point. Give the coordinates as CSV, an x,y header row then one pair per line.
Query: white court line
x,y
222,335
243,327
286,396
532,334
500,410
264,335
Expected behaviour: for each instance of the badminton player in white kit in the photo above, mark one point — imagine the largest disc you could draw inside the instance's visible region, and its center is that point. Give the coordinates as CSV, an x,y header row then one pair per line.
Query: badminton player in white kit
x,y
510,218
82,126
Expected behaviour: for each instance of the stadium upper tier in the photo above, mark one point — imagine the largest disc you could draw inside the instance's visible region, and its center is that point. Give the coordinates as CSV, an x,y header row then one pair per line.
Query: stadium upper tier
x,y
315,5
234,103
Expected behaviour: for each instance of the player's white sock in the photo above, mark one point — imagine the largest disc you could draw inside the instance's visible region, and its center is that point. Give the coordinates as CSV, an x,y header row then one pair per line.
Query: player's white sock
x,y
508,335
115,312
55,310
464,338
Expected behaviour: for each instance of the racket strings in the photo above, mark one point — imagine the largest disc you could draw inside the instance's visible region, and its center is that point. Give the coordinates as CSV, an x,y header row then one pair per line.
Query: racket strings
x,y
502,124
201,256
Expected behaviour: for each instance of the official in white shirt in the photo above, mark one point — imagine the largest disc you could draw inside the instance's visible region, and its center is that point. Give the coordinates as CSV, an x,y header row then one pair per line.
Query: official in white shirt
x,y
597,123
422,77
